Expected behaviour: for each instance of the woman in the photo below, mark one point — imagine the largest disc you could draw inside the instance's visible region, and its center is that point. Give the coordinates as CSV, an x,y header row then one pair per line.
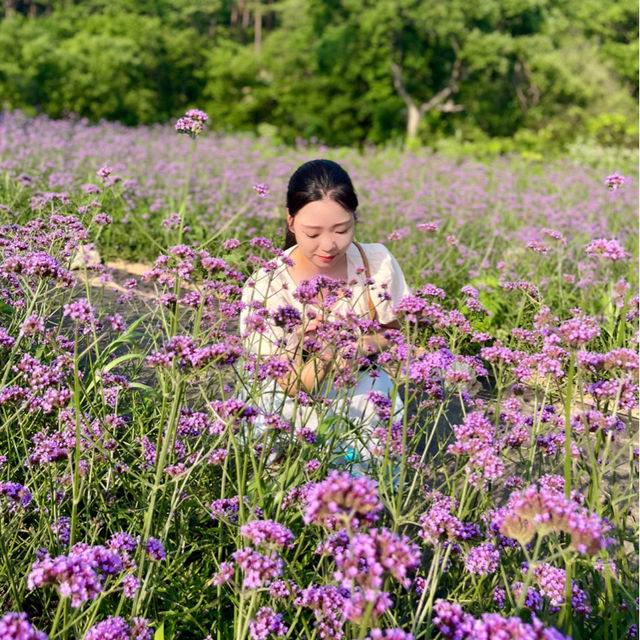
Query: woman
x,y
322,315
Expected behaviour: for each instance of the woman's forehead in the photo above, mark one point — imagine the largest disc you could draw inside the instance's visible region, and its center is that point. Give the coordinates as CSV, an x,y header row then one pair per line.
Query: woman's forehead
x,y
323,213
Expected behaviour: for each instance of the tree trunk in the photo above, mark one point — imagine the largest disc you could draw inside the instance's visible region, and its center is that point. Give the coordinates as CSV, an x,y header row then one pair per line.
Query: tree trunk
x,y
9,7
413,121
257,29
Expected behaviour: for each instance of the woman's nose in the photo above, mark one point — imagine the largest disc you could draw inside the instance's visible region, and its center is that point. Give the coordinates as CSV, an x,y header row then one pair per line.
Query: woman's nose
x,y
328,243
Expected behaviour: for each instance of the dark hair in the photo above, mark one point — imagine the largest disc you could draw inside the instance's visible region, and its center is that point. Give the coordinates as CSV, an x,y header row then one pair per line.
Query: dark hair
x,y
314,181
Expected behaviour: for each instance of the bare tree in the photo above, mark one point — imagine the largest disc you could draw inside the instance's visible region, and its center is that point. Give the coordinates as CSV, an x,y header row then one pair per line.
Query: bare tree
x,y
441,101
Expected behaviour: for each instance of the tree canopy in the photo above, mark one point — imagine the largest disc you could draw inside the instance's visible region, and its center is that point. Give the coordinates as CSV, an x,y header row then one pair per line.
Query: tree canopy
x,y
342,71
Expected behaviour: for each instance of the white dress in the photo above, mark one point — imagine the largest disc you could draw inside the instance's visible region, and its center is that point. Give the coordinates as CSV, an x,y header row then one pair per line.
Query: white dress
x,y
274,288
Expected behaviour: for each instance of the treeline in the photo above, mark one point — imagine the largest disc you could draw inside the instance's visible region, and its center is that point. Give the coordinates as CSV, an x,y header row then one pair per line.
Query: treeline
x,y
537,72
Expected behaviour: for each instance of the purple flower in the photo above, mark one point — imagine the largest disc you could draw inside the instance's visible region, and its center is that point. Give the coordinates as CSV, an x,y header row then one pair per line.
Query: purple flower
x,y
261,189
225,573
370,556
80,311
130,585
547,510
342,495
155,549
258,569
454,624
609,249
197,114
328,605
16,626
192,123
113,628
78,575
268,533
266,623
61,528
615,181
17,495
579,330
482,560
102,219
552,584
389,634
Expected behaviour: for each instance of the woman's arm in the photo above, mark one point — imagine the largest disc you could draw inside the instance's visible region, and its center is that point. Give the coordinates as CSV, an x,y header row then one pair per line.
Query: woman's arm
x,y
304,376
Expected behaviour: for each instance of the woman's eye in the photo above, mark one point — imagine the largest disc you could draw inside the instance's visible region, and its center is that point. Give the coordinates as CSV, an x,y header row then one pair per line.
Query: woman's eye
x,y
343,232
308,236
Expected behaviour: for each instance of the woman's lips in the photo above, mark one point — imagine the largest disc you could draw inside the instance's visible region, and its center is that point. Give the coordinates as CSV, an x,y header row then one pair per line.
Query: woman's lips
x,y
326,258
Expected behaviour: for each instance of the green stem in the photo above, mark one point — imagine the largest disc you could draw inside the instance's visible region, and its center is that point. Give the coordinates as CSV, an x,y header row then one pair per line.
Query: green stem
x,y
567,428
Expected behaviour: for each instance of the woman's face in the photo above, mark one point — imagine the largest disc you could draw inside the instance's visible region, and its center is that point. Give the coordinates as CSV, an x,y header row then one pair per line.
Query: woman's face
x,y
323,230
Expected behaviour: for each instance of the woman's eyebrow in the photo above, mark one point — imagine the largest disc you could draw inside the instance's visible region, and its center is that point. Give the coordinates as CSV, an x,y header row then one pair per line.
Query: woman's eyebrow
x,y
340,224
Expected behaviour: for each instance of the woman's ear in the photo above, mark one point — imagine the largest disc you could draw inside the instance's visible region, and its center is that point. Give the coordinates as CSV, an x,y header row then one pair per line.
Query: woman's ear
x,y
289,222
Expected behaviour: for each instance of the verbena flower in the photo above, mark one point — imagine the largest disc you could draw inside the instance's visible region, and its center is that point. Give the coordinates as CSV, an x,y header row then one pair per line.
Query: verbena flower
x,y
342,495
482,560
545,510
266,623
16,626
328,605
454,624
155,549
607,249
78,575
268,533
259,569
615,181
389,634
261,189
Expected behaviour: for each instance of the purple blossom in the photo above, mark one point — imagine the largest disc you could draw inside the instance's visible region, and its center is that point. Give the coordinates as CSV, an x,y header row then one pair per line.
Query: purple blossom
x,y
130,586
607,249
261,189
482,560
328,605
342,495
454,624
389,634
155,549
268,533
371,556
267,623
615,181
17,495
61,528
16,626
547,510
80,311
258,569
79,575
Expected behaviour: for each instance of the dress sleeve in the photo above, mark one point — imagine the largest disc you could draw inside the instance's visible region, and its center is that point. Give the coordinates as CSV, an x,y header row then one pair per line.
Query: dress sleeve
x,y
389,282
260,295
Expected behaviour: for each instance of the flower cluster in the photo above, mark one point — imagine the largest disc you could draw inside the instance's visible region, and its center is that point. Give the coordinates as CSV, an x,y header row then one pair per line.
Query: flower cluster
x,y
116,628
476,438
16,626
267,623
455,624
341,495
78,575
545,510
267,533
615,181
258,569
192,123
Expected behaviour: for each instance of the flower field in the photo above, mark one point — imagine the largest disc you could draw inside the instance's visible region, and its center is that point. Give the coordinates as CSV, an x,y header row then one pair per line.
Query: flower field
x,y
143,490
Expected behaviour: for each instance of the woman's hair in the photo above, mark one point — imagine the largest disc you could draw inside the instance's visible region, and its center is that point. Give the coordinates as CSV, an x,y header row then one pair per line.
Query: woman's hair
x,y
316,180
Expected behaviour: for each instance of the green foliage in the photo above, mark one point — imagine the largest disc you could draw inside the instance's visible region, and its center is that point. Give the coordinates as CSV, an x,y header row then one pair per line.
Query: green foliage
x,y
532,74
